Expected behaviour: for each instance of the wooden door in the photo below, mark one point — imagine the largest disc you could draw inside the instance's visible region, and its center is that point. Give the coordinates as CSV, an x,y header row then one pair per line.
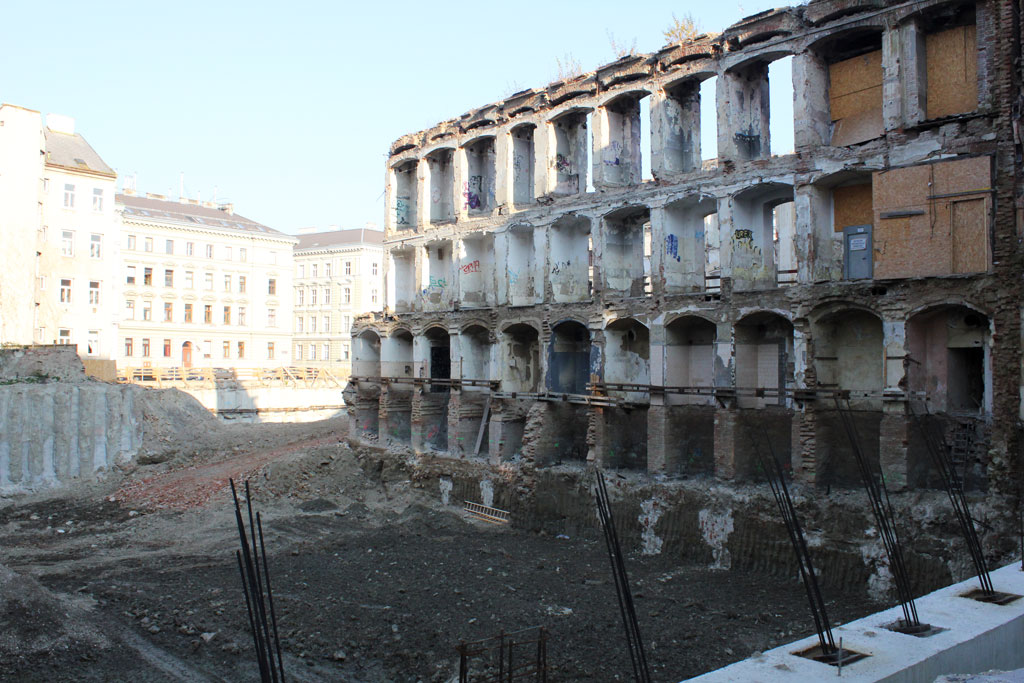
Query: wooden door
x,y
970,236
186,355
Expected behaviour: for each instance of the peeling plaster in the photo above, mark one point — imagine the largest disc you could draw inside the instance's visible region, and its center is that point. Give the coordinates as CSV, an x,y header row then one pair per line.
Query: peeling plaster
x,y
715,528
650,512
446,489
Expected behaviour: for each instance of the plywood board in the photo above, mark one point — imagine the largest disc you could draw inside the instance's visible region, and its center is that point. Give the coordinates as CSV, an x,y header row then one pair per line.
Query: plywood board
x,y
851,205
952,71
855,99
857,128
970,235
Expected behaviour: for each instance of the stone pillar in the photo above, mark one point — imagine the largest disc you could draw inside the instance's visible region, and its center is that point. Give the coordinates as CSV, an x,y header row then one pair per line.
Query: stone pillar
x,y
456,440
657,252
743,114
811,116
725,243
903,75
816,261
544,159
422,217
460,185
598,141
657,414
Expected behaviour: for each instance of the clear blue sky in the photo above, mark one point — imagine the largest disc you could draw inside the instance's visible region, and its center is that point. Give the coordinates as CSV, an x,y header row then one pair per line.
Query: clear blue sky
x,y
288,108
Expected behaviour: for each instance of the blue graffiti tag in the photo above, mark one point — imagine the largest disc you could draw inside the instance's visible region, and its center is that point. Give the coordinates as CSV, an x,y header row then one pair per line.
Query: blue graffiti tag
x,y
672,246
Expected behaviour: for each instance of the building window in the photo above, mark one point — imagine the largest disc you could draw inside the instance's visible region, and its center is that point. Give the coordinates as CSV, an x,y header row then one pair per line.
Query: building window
x,y
227,253
190,248
241,315
373,269
145,347
298,324
243,256
270,350
69,196
326,351
327,270
147,310
298,352
327,324
208,314
167,348
227,283
147,276
302,270
94,293
312,351
128,347
327,295
373,296
209,251
241,284
312,296
168,278
227,315
97,200
41,283
312,324
129,310
65,290
95,246
92,347
272,286
130,277
188,313
226,349
271,317
208,281
241,350
344,351
148,245
131,242
67,243
348,267
302,296
312,269
346,323
63,336
348,295
168,312
207,348
188,279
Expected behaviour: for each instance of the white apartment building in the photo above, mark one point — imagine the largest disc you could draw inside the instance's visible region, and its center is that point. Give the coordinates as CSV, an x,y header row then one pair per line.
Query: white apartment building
x,y
339,274
59,235
202,286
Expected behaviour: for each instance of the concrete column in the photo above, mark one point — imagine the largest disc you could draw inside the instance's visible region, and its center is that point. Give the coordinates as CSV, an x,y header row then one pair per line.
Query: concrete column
x,y
544,159
904,75
422,217
816,261
503,170
460,185
743,112
726,434
599,138
657,251
811,115
725,242
894,429
725,355
657,414
675,129
456,439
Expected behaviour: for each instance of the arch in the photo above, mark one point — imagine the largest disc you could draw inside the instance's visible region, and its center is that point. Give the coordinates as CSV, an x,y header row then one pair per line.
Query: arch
x,y
569,267
627,358
366,353
475,356
690,357
826,309
692,243
437,351
396,353
763,357
520,354
569,353
626,255
950,360
763,238
619,96
849,351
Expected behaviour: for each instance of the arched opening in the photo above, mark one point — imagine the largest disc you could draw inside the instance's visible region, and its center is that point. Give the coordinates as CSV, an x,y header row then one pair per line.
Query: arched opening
x,y
570,261
186,354
520,267
403,276
690,428
367,363
852,106
520,359
441,184
688,223
478,188
476,356
405,195
627,357
949,362
569,358
626,259
438,290
396,354
849,355
476,272
397,362
366,354
430,425
439,363
763,237
620,146
572,152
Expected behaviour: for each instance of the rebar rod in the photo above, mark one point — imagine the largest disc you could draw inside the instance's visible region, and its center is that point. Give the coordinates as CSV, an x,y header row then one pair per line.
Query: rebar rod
x,y
885,518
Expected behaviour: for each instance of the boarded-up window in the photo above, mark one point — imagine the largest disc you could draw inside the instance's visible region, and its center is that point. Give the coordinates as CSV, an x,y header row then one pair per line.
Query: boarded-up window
x,y
851,205
855,98
932,219
952,81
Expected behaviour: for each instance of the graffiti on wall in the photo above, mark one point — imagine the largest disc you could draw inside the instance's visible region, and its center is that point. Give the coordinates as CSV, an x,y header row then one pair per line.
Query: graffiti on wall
x,y
672,246
473,267
612,154
402,211
472,192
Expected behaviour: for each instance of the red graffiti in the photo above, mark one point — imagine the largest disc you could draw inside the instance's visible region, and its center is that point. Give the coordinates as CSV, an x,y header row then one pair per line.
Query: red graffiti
x,y
473,267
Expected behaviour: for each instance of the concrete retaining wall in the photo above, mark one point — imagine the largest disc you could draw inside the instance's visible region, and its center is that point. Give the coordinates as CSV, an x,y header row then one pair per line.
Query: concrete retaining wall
x,y
54,433
271,404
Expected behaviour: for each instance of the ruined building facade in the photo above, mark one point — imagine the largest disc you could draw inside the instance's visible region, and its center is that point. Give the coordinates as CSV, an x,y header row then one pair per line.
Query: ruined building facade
x,y
536,281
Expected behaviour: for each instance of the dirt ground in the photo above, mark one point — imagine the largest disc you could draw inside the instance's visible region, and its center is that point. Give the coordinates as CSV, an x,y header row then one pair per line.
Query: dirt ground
x,y
135,578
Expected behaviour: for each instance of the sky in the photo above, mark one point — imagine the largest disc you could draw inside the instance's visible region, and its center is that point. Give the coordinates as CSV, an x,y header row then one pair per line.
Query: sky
x,y
288,109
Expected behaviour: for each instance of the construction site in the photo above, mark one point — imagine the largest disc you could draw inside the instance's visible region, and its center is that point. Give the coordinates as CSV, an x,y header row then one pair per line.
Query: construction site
x,y
752,382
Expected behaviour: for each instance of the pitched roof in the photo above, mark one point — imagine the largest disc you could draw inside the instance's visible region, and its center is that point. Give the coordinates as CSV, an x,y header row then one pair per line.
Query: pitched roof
x,y
332,238
193,215
74,153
